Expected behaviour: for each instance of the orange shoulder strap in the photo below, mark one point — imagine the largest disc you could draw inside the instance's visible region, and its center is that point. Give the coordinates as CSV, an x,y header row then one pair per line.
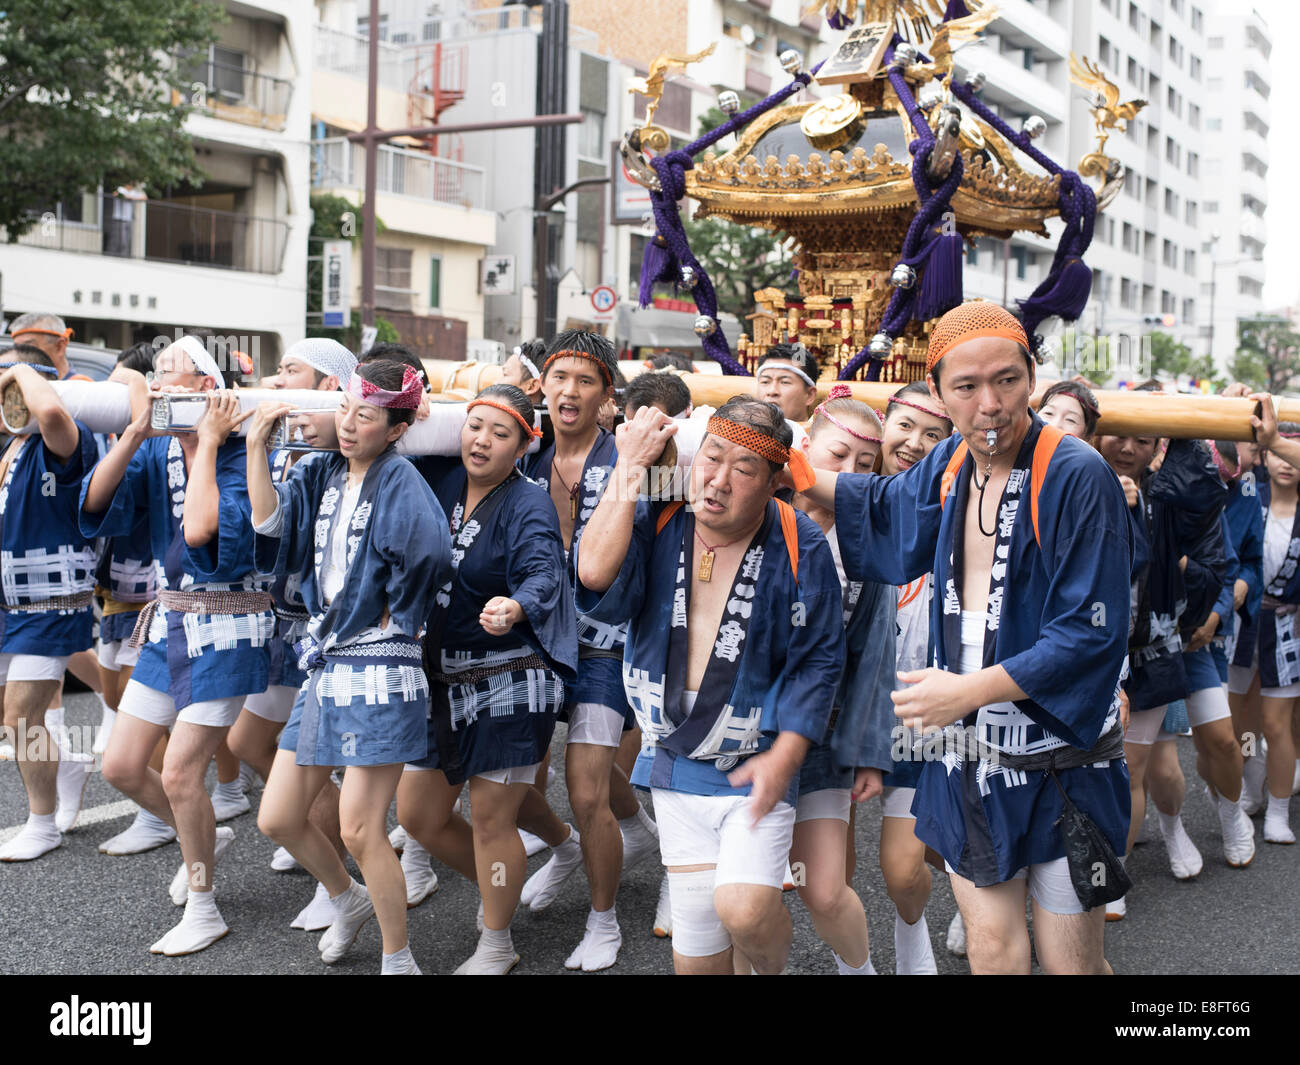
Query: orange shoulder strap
x,y
790,530
950,472
1048,438
666,515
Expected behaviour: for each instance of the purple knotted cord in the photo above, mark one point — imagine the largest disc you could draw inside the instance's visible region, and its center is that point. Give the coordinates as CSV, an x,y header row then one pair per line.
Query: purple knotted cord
x,y
1065,289
918,243
668,258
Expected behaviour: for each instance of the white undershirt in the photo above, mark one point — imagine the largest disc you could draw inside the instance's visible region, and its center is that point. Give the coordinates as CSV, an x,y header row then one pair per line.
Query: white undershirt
x,y
1277,538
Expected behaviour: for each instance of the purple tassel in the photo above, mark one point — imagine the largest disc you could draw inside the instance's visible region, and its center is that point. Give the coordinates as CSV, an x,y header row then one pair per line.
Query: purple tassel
x,y
838,21
956,9
941,279
1064,295
657,264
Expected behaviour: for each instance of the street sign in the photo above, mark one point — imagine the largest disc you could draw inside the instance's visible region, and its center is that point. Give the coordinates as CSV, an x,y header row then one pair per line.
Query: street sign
x,y
499,275
336,284
603,301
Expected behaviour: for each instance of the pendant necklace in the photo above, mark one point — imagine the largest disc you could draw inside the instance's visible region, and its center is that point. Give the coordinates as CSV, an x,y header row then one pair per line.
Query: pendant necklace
x,y
573,491
705,571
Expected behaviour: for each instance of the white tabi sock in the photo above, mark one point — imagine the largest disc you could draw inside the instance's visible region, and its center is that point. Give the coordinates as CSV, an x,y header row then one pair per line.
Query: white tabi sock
x,y
845,969
570,844
399,963
1169,822
201,904
633,828
230,792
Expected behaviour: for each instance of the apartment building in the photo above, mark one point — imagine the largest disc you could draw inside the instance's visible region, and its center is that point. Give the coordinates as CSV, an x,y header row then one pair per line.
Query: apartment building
x,y
228,255
1237,121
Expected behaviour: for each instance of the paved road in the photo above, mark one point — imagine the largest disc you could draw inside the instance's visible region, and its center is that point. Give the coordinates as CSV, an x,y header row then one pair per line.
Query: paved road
x,y
78,911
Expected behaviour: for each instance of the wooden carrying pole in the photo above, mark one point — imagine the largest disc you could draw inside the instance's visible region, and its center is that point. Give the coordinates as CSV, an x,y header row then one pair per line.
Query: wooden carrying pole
x,y
1122,413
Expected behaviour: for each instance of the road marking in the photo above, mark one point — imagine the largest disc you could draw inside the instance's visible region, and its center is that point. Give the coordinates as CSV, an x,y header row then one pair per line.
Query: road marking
x,y
110,811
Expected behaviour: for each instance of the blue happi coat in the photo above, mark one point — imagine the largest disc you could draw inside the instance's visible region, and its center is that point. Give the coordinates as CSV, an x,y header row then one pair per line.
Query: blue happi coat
x,y
789,665
509,546
1245,513
598,679
1179,510
43,551
365,701
126,574
863,721
291,614
1061,637
192,657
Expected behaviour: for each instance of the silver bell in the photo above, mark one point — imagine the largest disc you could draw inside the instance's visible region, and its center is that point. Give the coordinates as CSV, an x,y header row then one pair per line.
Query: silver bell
x,y
705,326
790,61
976,81
905,54
881,345
688,277
728,102
902,276
1033,127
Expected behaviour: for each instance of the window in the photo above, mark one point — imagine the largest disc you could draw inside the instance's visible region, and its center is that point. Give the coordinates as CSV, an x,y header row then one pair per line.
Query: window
x,y
220,69
1193,116
1134,70
1189,261
1148,299
1190,212
1130,239
1149,246
435,282
1216,43
1169,253
393,277
1134,17
1029,59
1189,310
1104,52
591,135
363,27
1132,184
1193,165
973,253
1197,19
1171,203
1153,187
1155,34
1175,50
1194,68
1213,125
1109,230
1168,304
1018,254
429,31
1211,206
1127,294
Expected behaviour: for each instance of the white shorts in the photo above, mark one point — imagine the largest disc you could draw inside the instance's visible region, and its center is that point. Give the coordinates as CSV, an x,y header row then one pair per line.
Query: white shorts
x,y
716,830
1207,705
897,802
116,655
1049,885
1240,679
1144,726
32,667
274,704
157,708
595,724
518,774
830,804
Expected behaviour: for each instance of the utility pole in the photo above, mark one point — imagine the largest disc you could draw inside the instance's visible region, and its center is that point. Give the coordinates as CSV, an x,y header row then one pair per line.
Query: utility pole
x,y
549,159
372,137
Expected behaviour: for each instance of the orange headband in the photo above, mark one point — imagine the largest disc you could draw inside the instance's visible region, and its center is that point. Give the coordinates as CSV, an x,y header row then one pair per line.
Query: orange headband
x,y
969,321
569,353
65,335
529,431
800,468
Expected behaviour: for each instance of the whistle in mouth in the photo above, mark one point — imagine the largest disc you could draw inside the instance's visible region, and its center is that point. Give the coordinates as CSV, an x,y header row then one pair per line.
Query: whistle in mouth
x,y
991,439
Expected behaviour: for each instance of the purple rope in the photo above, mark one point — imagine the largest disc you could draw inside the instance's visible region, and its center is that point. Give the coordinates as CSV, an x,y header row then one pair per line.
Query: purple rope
x,y
671,169
934,202
1077,205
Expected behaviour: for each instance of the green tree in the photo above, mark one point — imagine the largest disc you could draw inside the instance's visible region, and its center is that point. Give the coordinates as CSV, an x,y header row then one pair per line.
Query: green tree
x,y
1175,358
85,100
337,218
740,260
1268,355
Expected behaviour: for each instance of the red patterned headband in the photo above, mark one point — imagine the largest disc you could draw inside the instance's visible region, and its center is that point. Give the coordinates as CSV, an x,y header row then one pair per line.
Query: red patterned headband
x,y
841,391
528,429
570,353
407,399
1228,472
747,436
917,406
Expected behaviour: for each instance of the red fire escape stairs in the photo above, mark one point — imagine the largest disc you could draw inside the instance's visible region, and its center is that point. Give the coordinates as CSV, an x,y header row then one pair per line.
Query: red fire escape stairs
x,y
437,83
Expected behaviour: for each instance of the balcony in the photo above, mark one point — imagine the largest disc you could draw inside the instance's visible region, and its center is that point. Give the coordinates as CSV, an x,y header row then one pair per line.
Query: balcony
x,y
1010,85
339,163
347,54
1029,25
236,94
167,232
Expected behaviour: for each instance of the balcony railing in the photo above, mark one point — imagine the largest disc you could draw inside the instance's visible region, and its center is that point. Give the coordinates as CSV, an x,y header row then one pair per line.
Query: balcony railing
x,y
169,232
237,94
347,54
339,163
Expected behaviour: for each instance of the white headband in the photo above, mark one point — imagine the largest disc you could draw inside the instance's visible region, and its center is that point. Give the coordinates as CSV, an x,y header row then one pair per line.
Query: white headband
x,y
203,362
779,364
529,365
